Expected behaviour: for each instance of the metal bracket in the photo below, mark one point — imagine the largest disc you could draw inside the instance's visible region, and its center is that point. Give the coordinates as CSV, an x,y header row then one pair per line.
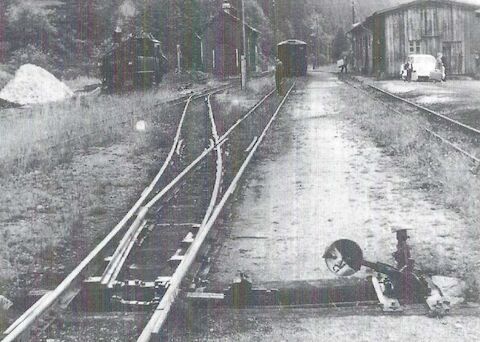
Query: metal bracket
x,y
436,302
388,304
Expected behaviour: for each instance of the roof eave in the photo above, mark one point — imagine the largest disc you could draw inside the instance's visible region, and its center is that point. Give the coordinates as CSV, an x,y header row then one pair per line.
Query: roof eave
x,y
418,2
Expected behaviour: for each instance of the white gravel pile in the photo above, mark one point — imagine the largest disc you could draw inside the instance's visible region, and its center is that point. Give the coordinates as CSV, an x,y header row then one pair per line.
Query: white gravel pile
x,y
32,85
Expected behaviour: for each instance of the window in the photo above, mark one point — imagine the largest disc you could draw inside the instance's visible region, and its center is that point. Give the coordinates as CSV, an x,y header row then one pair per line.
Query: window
x,y
414,46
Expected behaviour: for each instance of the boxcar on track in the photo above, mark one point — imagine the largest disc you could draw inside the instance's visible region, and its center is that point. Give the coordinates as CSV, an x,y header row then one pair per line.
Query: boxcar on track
x,y
293,54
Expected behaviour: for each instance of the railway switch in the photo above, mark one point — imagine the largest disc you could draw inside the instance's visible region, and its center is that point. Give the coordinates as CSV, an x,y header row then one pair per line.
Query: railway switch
x,y
394,285
391,287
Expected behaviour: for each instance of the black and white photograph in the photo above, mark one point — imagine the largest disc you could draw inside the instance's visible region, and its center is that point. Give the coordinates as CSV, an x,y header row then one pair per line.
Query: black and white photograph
x,y
239,170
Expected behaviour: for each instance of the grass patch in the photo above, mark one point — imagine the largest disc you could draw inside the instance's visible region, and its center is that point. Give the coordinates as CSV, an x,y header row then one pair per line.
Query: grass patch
x,y
42,137
447,175
97,211
435,165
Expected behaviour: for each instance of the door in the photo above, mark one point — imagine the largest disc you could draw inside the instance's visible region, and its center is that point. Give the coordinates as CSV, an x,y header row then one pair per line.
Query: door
x,y
453,53
367,58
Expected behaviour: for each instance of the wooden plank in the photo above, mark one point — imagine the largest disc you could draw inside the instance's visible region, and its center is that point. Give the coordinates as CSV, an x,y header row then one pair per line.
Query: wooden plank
x,y
205,296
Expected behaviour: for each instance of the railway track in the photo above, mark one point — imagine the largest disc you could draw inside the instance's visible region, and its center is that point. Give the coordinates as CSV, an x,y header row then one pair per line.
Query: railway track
x,y
143,262
450,132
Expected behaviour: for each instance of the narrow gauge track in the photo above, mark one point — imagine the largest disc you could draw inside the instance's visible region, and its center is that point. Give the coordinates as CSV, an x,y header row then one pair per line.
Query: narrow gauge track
x,y
124,293
444,129
157,321
64,294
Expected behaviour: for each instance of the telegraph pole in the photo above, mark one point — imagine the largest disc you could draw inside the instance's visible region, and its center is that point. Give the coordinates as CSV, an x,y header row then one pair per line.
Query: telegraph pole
x,y
354,19
275,23
244,55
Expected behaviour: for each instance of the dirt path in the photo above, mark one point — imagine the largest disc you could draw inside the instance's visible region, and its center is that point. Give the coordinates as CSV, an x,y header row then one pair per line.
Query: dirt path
x,y
272,324
316,182
321,185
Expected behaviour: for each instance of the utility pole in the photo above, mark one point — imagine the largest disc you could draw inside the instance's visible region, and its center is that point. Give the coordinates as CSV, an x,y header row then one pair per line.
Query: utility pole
x,y
317,50
244,55
275,24
179,55
354,20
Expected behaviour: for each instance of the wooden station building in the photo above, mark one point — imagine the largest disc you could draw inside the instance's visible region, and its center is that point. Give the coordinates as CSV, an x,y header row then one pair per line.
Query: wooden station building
x,y
382,43
222,43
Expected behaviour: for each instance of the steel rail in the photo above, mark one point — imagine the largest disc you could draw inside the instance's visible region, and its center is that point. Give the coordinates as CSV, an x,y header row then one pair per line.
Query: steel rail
x,y
429,131
219,163
50,298
452,145
28,318
199,95
122,251
47,300
429,111
252,110
160,315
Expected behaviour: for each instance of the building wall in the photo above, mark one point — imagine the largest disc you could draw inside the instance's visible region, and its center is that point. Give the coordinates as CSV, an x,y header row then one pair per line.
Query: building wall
x,y
430,29
222,41
362,40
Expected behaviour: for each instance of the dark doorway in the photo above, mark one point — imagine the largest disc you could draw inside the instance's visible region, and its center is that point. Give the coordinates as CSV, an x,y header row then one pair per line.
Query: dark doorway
x,y
453,53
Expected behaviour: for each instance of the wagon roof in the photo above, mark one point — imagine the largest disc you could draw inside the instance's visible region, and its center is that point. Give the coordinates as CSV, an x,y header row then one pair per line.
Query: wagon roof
x,y
424,2
292,42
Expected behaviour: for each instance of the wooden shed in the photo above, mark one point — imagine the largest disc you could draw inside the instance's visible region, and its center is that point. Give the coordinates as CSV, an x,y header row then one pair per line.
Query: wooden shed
x,y
222,43
382,43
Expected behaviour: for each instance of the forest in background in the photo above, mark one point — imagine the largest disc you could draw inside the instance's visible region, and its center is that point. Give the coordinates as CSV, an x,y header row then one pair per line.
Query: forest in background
x,y
67,37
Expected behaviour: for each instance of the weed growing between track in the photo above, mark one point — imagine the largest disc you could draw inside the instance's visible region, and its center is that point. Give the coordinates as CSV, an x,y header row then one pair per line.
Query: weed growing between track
x,y
448,177
62,193
69,188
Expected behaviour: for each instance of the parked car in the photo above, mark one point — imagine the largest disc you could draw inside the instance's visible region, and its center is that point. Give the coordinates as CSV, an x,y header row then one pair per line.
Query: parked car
x,y
423,66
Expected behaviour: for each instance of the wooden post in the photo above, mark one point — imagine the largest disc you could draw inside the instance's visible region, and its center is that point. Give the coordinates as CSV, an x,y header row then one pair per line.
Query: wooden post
x,y
244,55
179,53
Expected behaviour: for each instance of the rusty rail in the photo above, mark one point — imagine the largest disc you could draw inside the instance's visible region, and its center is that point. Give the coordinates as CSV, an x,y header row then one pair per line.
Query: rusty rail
x,y
459,124
431,112
160,315
26,321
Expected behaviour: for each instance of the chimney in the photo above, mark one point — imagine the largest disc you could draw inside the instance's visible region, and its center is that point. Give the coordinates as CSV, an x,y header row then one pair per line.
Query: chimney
x,y
117,35
227,7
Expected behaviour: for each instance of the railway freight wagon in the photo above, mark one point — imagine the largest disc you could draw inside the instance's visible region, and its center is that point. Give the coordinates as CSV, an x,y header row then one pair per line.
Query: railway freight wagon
x,y
293,54
134,63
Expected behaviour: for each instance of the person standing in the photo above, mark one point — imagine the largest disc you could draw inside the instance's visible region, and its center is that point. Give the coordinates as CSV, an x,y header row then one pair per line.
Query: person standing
x,y
279,74
409,69
345,64
444,67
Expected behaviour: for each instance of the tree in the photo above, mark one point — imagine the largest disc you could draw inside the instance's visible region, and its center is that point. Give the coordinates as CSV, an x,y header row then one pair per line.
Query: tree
x,y
30,26
340,44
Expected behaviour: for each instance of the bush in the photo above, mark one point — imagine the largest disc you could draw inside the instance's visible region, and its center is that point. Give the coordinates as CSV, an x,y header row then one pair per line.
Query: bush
x,y
31,55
